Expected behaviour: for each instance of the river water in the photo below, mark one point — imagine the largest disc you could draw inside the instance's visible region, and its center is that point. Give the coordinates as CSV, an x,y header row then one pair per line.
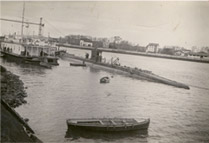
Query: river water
x,y
177,115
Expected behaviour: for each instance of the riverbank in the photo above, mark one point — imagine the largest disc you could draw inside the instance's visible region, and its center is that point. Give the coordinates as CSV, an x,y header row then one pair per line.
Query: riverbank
x,y
13,127
12,89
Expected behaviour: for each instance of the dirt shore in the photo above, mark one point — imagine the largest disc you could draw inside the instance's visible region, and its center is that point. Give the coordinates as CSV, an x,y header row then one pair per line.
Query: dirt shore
x,y
12,89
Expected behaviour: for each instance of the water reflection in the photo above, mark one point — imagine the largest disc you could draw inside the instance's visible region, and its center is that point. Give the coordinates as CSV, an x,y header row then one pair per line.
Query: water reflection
x,y
94,70
25,68
75,134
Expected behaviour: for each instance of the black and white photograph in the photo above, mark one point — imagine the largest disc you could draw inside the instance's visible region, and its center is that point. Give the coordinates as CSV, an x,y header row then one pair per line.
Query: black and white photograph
x,y
104,71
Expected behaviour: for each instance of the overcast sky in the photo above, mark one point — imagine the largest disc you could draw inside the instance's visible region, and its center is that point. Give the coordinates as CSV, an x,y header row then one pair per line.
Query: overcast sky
x,y
167,23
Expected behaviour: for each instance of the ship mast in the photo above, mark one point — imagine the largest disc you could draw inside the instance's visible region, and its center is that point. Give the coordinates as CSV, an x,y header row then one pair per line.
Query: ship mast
x,y
40,24
23,19
40,28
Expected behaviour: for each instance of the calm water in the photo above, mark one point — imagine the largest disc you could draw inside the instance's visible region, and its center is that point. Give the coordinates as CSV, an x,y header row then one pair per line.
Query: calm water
x,y
177,115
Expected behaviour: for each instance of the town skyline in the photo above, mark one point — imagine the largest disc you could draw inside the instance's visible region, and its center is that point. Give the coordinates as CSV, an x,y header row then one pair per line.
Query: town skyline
x,y
183,24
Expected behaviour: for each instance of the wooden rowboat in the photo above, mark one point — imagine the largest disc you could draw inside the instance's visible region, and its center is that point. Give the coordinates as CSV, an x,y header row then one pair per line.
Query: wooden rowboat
x,y
78,64
109,124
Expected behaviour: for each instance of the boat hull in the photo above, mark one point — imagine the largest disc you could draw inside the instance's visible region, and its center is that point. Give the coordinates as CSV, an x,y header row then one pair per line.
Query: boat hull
x,y
17,58
111,127
40,61
76,133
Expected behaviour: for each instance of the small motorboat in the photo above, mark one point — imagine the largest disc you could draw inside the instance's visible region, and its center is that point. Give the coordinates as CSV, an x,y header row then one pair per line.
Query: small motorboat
x,y
105,80
109,124
78,64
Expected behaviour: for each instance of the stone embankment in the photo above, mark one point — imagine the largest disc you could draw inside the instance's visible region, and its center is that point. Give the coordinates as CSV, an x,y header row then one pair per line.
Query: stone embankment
x,y
13,127
12,89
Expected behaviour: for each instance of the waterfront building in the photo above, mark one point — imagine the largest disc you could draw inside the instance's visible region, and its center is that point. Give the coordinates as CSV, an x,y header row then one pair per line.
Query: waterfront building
x,y
179,53
152,48
86,42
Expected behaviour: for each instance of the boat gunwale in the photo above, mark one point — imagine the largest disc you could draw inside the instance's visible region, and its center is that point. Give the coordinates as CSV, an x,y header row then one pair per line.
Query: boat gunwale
x,y
136,123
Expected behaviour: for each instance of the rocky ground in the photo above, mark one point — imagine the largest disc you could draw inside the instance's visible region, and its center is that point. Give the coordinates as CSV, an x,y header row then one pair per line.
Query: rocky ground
x,y
13,127
12,89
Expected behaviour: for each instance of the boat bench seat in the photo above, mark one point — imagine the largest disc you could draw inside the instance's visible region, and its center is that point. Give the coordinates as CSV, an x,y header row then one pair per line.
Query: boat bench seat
x,y
112,122
101,122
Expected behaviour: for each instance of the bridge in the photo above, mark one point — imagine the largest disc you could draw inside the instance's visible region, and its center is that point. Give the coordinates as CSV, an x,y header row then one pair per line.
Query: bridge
x,y
135,53
93,48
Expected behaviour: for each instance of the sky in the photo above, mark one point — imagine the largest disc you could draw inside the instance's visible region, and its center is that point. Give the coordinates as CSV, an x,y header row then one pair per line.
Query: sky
x,y
167,23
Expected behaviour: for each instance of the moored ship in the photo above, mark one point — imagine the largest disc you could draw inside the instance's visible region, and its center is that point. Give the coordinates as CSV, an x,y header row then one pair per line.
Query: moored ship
x,y
28,50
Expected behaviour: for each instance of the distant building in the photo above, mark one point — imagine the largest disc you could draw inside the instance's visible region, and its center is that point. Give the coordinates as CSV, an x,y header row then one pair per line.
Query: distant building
x,y
86,42
205,49
199,54
179,53
2,37
152,48
195,49
185,52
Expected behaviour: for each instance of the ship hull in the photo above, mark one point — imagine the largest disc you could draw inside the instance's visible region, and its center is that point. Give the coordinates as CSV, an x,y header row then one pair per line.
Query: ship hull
x,y
133,72
46,62
13,57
